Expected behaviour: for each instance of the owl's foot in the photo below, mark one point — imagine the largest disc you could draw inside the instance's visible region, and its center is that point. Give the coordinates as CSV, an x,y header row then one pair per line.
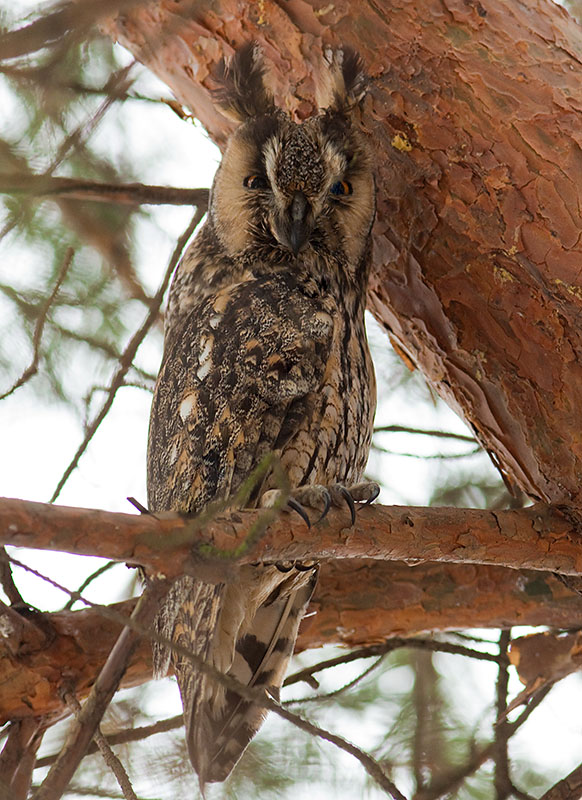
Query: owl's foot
x,y
323,498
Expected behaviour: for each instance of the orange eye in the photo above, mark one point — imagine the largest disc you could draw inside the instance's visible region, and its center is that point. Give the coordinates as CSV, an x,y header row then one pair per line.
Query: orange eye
x,y
341,188
254,182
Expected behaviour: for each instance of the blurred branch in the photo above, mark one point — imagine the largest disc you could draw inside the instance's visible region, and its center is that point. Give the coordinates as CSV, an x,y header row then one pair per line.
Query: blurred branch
x,y
441,456
86,722
502,780
68,19
395,643
99,344
118,81
128,735
18,757
459,437
43,311
448,784
38,74
126,359
133,194
109,756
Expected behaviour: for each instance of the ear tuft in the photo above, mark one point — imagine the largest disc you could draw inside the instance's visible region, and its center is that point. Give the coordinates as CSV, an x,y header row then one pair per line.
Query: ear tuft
x,y
345,82
244,94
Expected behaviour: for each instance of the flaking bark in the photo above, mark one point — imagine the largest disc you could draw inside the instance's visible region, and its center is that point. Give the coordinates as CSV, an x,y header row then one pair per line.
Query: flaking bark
x,y
476,117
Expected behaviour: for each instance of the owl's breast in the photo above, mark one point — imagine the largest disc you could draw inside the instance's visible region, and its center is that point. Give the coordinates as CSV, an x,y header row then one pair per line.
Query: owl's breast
x,y
332,442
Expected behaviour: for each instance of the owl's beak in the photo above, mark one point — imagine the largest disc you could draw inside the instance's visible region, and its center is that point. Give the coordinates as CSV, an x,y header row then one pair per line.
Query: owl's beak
x,y
300,226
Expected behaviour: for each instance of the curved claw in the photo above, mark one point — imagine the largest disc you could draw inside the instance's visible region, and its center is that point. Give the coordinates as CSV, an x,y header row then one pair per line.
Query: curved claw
x,y
350,501
300,510
327,499
306,567
374,496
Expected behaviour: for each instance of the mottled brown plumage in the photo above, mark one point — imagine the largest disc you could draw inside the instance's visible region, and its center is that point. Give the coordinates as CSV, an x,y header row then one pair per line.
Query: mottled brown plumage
x,y
265,352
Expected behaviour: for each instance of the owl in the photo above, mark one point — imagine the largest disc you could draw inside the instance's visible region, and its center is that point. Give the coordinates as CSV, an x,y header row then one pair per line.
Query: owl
x,y
265,352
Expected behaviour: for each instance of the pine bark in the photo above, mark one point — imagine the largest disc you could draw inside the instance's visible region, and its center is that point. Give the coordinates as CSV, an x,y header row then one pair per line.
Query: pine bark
x,y
398,600
475,115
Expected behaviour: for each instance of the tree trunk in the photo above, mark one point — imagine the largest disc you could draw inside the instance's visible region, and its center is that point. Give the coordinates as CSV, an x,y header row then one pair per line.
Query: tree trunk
x,y
476,121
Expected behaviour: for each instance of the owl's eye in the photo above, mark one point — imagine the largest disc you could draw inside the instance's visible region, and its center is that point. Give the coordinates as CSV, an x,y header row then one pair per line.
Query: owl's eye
x,y
341,188
254,182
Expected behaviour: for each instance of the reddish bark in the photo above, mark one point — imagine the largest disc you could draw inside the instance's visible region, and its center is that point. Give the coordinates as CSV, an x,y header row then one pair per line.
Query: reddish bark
x,y
398,600
539,537
475,114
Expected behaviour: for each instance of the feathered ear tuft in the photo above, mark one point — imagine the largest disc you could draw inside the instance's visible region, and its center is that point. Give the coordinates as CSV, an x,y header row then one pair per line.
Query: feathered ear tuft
x,y
345,83
244,94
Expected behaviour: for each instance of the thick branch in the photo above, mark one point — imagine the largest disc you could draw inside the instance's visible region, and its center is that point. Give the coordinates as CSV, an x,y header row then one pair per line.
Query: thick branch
x,y
539,537
398,600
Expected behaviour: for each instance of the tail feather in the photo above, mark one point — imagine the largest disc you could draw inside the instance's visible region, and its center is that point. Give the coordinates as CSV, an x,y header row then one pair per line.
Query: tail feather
x,y
253,640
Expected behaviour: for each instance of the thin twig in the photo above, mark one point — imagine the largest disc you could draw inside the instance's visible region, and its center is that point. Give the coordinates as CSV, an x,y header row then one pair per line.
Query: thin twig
x,y
103,568
502,780
126,360
124,736
387,647
460,437
109,756
317,698
434,456
39,328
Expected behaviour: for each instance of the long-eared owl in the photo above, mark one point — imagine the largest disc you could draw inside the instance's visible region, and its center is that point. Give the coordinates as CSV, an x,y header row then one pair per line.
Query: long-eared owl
x,y
265,352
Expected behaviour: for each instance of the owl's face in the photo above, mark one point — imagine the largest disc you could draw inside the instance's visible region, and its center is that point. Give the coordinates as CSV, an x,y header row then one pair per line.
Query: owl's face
x,y
285,191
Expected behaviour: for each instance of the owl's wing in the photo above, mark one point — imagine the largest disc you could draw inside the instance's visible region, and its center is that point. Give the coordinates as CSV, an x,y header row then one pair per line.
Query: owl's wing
x,y
235,384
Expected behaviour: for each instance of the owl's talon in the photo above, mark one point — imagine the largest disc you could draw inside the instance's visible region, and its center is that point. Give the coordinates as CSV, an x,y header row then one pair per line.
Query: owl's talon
x,y
349,500
292,503
327,506
375,489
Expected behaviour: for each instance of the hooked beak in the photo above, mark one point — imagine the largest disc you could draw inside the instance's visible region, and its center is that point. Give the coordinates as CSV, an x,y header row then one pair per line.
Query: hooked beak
x,y
294,232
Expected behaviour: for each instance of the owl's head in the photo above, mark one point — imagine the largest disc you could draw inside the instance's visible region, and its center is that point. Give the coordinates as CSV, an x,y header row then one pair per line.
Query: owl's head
x,y
285,192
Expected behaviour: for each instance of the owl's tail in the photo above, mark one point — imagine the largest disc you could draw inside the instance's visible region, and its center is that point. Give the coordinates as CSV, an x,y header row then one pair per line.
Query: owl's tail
x,y
256,626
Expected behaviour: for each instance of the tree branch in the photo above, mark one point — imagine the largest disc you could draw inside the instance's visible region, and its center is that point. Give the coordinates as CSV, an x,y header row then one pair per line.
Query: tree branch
x,y
540,537
132,194
87,721
398,600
